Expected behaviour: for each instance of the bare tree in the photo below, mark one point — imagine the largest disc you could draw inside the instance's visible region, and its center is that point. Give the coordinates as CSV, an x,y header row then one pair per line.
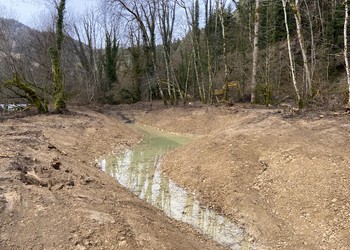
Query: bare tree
x,y
312,38
220,6
297,16
87,30
208,10
144,14
192,18
255,51
291,61
347,67
166,16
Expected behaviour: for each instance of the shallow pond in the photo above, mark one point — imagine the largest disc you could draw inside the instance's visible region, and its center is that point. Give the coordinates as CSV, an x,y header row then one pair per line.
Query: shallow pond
x,y
137,169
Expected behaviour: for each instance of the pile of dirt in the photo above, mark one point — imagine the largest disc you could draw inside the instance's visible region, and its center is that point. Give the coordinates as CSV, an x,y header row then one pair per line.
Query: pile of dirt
x,y
285,180
54,196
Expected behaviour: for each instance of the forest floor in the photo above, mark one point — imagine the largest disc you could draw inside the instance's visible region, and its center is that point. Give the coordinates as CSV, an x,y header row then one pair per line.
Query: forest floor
x,y
283,177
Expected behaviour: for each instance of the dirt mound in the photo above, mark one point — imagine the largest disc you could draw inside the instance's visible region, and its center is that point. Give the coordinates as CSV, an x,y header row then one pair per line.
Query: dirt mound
x,y
54,196
285,180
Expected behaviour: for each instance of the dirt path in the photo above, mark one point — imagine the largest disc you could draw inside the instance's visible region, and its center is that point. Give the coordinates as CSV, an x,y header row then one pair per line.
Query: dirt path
x,y
285,180
54,196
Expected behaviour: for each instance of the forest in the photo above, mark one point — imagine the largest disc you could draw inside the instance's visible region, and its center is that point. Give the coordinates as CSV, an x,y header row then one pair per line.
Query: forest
x,y
216,52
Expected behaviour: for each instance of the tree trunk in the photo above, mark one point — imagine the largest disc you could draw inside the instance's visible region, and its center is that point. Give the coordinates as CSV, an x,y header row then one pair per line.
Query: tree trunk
x,y
193,24
59,94
196,41
221,7
29,94
255,52
297,17
166,16
209,66
284,2
346,47
313,46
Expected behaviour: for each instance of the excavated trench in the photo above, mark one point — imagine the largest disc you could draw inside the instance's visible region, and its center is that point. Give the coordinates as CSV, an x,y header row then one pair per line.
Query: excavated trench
x,y
137,169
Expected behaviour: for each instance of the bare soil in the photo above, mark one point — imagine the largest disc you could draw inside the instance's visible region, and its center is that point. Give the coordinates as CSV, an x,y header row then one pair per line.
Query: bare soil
x,y
284,177
54,196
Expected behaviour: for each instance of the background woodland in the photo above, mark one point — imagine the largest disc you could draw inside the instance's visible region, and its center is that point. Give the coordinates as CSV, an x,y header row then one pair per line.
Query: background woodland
x,y
262,51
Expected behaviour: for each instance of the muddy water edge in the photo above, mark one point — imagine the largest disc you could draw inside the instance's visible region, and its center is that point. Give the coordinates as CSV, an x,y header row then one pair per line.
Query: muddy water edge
x,y
137,169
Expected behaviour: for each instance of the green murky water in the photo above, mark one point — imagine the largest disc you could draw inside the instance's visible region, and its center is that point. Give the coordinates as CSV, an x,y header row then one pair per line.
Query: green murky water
x,y
138,170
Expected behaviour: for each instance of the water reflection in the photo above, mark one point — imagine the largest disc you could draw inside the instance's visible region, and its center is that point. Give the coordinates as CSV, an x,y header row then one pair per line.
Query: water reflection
x,y
138,170
12,107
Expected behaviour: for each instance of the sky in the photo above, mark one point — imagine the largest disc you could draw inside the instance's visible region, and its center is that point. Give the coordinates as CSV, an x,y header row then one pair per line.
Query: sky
x,y
26,11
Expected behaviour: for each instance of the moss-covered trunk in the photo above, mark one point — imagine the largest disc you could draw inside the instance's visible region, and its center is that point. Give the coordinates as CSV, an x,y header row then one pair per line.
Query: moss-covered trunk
x,y
29,94
56,52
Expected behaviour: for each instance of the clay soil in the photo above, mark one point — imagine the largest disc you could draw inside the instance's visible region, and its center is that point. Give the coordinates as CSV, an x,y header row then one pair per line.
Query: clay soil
x,y
54,196
283,177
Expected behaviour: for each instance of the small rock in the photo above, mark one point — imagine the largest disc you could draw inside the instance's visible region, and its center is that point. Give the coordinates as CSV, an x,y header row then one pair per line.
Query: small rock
x,y
334,200
50,146
70,183
122,243
56,165
57,187
80,247
29,179
87,243
88,180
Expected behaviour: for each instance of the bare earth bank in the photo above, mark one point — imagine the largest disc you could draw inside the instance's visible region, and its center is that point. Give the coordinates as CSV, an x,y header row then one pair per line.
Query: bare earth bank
x,y
285,180
54,196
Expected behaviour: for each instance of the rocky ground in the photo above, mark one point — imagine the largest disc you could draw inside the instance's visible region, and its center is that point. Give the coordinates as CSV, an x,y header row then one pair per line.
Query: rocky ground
x,y
54,196
283,176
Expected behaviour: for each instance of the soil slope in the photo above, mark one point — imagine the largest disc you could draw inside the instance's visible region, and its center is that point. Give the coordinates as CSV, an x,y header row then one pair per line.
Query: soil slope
x,y
54,196
284,177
